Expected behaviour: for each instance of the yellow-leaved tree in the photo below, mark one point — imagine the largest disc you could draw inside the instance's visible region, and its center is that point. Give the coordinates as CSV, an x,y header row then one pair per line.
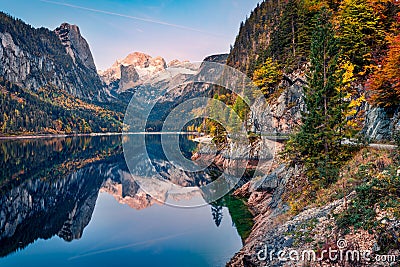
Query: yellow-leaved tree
x,y
267,76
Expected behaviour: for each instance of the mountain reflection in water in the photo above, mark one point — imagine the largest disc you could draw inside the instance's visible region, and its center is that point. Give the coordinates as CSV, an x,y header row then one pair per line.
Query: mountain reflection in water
x,y
55,187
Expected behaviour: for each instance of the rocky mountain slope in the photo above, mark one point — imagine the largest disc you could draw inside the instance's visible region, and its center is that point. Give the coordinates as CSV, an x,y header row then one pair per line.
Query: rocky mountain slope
x,y
132,71
282,31
49,82
350,208
76,45
381,123
153,82
35,58
136,70
55,69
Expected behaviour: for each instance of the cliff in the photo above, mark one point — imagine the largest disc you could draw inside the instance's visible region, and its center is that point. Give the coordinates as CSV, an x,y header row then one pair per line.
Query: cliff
x,y
76,45
35,58
134,70
49,82
290,214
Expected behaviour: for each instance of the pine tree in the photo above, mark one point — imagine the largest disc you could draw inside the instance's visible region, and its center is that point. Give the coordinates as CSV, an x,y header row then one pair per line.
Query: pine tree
x,y
217,214
240,108
318,143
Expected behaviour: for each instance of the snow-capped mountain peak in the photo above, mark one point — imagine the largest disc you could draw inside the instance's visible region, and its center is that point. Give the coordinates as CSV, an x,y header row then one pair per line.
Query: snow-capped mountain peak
x,y
133,70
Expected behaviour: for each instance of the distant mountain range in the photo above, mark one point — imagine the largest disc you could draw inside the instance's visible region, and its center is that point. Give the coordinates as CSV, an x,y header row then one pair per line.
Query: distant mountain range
x,y
133,70
49,82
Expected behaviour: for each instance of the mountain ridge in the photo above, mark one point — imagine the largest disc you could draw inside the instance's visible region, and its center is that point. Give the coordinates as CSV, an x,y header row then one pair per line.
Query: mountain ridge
x,y
49,82
38,57
135,69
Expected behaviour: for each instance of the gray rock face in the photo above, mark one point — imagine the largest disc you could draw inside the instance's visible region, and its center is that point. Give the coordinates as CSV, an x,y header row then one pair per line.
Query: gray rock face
x,y
266,202
280,115
221,58
12,57
40,58
381,123
275,184
134,70
75,44
129,77
25,207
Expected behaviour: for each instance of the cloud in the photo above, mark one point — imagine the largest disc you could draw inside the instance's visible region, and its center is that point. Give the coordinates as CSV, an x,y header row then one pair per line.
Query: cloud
x,y
183,27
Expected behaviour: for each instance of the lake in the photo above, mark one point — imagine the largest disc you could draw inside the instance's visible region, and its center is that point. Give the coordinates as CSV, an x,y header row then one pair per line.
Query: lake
x,y
72,202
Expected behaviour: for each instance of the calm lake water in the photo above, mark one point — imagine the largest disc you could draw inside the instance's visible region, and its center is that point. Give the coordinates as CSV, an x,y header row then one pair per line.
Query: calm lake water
x,y
72,202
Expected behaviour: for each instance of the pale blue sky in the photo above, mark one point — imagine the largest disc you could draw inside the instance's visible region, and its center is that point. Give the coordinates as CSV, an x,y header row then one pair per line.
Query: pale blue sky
x,y
173,29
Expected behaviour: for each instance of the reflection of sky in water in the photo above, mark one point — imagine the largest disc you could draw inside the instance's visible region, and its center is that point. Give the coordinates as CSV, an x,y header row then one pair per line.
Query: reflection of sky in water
x,y
155,236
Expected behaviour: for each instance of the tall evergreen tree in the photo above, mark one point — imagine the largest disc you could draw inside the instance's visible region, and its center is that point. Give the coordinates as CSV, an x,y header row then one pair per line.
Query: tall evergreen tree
x,y
318,143
217,214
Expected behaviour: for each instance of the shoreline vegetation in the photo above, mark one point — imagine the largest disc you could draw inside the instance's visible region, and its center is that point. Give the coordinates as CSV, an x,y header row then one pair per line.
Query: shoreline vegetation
x,y
37,136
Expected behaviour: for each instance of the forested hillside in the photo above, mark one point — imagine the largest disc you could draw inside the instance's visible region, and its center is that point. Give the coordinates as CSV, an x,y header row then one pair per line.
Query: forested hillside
x,y
34,58
51,110
344,57
366,32
275,45
49,83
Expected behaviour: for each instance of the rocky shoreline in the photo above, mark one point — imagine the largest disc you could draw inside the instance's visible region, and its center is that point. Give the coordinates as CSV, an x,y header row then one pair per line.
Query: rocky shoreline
x,y
275,229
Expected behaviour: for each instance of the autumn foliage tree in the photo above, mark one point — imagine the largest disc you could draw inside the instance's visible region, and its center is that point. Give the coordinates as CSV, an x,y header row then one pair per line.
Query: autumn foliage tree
x,y
317,145
360,32
385,83
267,76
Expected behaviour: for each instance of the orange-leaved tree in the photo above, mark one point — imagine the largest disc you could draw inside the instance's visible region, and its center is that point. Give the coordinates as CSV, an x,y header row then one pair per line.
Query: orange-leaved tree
x,y
384,84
